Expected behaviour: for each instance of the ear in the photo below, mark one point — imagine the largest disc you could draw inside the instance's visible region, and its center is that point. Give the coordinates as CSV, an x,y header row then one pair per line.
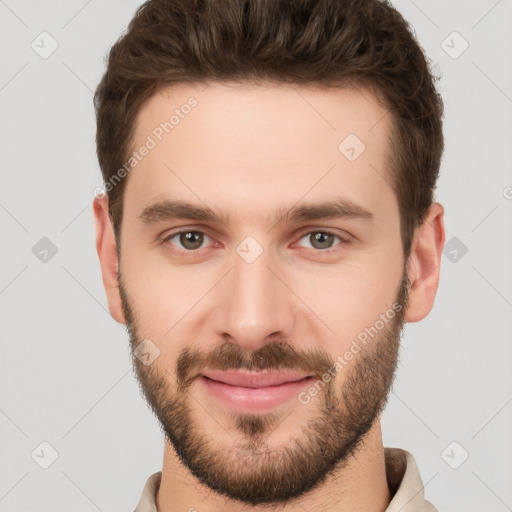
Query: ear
x,y
106,248
424,264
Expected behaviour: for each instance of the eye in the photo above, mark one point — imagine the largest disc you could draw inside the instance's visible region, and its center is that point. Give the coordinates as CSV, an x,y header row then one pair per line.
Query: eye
x,y
321,239
188,240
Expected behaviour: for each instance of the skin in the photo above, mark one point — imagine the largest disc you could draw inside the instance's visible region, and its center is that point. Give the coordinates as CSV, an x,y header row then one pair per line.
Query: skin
x,y
248,151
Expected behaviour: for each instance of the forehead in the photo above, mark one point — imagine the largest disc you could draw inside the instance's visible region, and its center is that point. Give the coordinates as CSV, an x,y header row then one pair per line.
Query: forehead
x,y
271,109
253,145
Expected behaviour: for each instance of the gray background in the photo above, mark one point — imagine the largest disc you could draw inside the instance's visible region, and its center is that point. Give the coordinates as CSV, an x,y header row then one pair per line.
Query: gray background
x,y
65,373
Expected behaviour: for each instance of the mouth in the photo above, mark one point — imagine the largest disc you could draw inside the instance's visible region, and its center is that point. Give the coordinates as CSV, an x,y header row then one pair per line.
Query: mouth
x,y
250,392
255,379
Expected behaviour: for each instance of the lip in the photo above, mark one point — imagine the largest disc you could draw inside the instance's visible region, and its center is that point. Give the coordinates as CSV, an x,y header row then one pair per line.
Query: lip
x,y
259,392
248,379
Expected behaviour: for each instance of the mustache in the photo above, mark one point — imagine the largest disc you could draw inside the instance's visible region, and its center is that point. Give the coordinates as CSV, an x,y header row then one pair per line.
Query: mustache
x,y
275,355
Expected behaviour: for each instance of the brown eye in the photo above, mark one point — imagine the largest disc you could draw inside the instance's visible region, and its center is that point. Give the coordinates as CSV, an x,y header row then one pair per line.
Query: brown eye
x,y
185,241
321,240
191,239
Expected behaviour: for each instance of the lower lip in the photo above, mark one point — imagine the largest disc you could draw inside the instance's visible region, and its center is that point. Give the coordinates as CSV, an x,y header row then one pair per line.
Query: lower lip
x,y
254,399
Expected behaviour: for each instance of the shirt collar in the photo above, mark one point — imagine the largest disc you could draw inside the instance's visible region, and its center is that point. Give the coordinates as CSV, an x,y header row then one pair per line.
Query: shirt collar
x,y
404,482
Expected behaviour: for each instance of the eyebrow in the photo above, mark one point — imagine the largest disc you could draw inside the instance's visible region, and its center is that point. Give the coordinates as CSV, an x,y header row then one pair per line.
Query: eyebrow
x,y
339,208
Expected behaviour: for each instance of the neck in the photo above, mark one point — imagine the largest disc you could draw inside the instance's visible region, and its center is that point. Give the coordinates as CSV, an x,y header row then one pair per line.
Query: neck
x,y
345,489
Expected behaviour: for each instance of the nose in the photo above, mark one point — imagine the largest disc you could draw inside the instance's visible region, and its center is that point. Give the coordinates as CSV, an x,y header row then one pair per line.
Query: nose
x,y
254,303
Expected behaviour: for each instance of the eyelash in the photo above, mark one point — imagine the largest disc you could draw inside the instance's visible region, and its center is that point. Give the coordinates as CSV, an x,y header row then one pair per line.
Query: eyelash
x,y
192,252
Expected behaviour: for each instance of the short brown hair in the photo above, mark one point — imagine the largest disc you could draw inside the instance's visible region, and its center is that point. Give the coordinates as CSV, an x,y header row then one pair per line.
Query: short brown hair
x,y
331,43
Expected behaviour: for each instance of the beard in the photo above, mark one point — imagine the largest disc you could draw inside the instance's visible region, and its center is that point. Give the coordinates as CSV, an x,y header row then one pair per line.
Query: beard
x,y
248,470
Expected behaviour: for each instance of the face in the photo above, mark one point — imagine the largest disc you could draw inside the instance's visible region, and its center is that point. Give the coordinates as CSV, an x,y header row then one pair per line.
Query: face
x,y
250,241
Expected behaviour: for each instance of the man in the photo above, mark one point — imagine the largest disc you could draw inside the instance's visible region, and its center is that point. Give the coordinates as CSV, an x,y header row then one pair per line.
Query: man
x,y
268,227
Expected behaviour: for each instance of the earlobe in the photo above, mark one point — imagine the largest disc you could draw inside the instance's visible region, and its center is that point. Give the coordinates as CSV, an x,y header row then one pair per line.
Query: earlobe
x,y
107,254
424,264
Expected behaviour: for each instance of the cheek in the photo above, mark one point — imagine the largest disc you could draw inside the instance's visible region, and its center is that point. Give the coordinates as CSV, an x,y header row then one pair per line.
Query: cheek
x,y
166,301
351,296
156,289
